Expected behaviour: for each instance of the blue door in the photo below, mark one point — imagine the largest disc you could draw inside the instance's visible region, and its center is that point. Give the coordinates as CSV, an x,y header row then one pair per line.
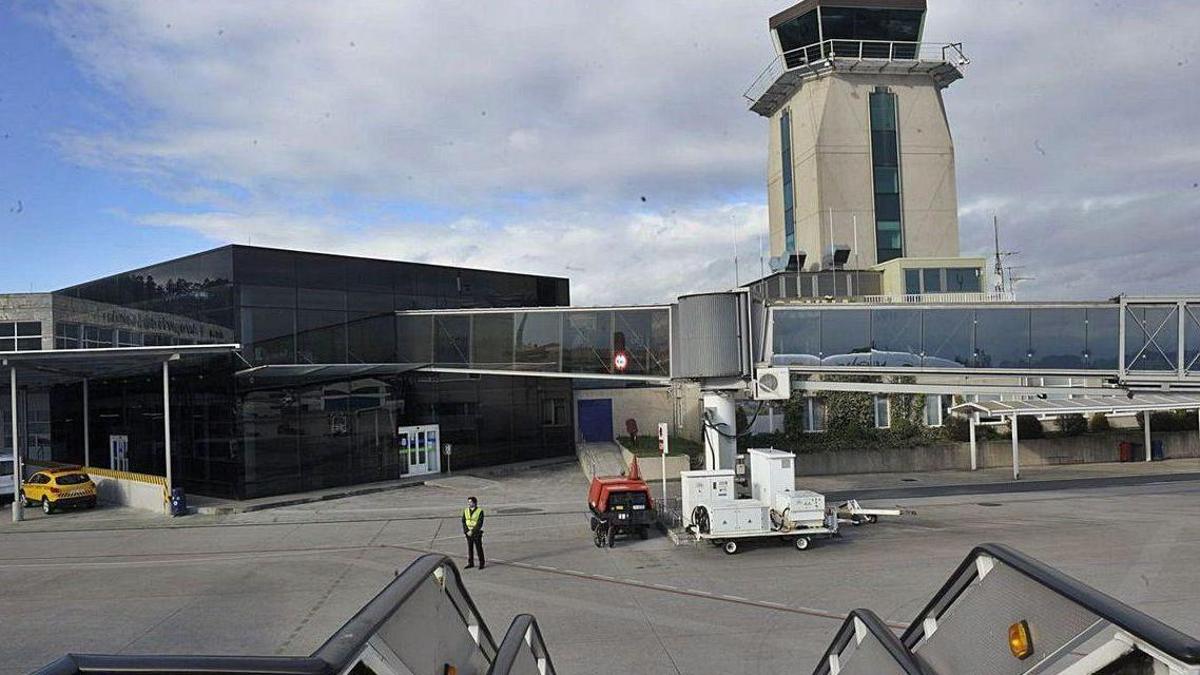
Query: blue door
x,y
595,419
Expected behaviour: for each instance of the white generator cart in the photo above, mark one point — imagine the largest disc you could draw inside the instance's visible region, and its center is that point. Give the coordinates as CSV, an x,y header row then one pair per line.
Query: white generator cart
x,y
711,512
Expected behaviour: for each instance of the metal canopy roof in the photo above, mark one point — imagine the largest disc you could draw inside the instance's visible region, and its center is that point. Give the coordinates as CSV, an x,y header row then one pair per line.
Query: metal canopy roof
x,y
61,366
1082,405
315,373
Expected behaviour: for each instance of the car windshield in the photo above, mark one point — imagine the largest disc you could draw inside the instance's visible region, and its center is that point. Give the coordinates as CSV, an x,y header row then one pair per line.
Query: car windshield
x,y
72,479
627,499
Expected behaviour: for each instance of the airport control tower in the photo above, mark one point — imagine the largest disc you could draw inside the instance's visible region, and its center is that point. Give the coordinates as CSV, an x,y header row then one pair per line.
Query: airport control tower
x,y
861,162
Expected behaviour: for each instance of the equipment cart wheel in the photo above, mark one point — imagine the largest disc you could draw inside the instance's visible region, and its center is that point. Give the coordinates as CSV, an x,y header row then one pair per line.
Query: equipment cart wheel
x,y
598,535
610,536
802,543
644,532
872,519
730,547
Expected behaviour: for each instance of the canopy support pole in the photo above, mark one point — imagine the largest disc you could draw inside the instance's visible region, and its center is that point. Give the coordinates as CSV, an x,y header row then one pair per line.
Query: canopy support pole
x,y
18,503
974,418
1146,431
1016,461
166,392
87,430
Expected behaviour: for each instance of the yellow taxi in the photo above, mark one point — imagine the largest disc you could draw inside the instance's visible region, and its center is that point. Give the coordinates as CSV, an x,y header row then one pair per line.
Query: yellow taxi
x,y
56,488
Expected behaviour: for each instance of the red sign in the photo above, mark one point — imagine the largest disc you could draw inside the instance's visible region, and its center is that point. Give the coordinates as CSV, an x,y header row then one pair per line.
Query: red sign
x,y
620,361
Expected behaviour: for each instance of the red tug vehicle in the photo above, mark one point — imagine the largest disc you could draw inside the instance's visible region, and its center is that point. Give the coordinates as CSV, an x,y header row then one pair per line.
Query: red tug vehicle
x,y
620,505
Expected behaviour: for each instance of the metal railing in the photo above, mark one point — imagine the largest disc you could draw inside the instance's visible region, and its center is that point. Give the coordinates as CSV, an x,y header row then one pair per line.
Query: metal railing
x,y
926,298
523,650
861,50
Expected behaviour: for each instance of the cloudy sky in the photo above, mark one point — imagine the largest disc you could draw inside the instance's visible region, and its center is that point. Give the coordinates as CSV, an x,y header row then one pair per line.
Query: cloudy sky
x,y
607,142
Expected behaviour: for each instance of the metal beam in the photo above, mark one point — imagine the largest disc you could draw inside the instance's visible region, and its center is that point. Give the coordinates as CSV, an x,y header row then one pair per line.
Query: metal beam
x,y
535,373
1146,432
894,388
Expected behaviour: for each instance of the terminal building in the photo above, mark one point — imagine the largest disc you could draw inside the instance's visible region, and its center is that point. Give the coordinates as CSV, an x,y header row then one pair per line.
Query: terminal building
x,y
290,371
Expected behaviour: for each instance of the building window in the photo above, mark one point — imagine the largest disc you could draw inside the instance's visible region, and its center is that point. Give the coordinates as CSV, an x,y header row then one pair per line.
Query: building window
x,y
932,278
912,282
67,335
963,280
20,336
883,413
789,191
814,415
95,337
554,412
885,158
934,416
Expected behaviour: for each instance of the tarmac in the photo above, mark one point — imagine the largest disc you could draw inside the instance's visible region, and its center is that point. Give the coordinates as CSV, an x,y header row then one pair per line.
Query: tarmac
x,y
280,581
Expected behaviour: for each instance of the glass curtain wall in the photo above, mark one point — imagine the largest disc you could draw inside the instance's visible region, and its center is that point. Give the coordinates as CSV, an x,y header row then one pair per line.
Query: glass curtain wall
x,y
544,341
1052,338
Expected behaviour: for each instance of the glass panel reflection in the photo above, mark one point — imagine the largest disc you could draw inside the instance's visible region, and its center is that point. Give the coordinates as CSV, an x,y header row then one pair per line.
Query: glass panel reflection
x,y
896,337
451,340
845,337
1103,337
948,337
492,340
1001,338
587,342
414,339
1151,338
796,337
537,337
1058,338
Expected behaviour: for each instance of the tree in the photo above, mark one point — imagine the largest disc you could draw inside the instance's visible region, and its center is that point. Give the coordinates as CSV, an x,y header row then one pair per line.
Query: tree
x,y
1029,426
1072,425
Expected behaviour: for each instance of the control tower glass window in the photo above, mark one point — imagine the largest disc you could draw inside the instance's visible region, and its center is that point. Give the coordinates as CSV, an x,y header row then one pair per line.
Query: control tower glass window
x,y
789,192
885,156
795,35
876,32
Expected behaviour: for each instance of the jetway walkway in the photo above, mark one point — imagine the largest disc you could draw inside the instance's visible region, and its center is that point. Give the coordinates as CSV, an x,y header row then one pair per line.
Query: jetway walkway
x,y
424,621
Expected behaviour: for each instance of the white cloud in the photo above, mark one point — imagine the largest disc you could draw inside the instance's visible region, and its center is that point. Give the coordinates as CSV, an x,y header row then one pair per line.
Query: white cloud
x,y
530,131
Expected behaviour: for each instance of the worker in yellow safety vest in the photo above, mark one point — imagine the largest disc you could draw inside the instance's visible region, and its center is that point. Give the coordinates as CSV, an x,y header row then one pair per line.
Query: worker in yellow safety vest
x,y
472,522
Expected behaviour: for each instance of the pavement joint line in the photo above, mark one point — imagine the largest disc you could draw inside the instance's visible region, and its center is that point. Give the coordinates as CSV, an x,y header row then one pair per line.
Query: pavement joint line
x,y
761,604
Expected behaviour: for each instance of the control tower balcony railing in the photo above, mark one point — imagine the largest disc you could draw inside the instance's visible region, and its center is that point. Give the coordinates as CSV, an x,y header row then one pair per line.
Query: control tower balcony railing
x,y
944,62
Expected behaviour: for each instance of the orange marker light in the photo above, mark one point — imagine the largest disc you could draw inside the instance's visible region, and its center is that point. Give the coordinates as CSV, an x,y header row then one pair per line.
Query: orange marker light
x,y
1019,640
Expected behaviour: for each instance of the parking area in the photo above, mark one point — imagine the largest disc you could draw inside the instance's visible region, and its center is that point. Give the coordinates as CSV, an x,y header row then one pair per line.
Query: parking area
x,y
280,581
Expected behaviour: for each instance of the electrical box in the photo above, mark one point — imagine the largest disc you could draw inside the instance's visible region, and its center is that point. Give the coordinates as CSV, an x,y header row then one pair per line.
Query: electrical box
x,y
803,506
740,517
704,488
772,474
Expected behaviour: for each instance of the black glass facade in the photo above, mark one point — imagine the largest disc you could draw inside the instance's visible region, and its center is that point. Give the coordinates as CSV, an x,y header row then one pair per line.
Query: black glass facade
x,y
233,437
789,188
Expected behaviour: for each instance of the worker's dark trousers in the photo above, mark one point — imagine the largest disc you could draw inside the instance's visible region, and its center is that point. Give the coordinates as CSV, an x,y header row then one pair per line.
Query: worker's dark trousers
x,y
475,543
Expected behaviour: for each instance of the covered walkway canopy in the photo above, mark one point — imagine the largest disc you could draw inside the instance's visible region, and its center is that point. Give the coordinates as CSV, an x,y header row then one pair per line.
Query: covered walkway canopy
x,y
66,366
1131,404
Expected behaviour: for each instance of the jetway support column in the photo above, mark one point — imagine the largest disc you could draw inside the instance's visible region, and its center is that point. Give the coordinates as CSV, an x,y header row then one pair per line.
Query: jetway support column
x,y
720,425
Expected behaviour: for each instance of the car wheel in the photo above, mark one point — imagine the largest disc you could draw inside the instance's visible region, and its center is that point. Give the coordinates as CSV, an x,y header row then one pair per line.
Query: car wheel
x,y
730,547
802,543
47,507
91,504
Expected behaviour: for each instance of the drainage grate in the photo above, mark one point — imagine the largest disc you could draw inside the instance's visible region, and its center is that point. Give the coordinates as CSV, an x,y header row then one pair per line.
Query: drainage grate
x,y
989,504
517,509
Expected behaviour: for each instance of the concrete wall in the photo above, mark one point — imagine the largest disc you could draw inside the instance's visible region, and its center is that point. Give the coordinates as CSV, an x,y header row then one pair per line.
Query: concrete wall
x,y
677,405
998,453
651,467
832,170
129,492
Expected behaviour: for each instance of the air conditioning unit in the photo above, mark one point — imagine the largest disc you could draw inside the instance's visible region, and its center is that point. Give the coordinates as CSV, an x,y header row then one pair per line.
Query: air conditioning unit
x,y
772,384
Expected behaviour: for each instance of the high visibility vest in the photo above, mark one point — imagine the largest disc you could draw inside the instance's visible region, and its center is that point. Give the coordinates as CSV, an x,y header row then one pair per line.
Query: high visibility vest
x,y
472,517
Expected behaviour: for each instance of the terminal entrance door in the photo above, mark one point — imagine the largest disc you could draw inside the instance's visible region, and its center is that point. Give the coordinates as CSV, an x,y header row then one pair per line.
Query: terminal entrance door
x,y
118,452
421,446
